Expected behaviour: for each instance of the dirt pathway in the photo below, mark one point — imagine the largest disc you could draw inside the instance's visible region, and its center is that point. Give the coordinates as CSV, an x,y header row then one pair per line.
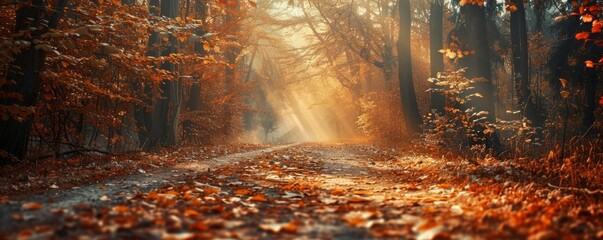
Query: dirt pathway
x,y
116,190
315,191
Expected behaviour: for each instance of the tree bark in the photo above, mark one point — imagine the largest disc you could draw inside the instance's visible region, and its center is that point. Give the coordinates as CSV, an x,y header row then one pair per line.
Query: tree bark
x,y
159,126
591,98
521,63
412,117
165,124
230,70
15,134
479,66
436,42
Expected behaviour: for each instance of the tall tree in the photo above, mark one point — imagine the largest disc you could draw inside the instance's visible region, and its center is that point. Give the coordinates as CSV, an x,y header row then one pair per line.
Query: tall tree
x,y
144,117
167,108
26,76
479,67
521,62
193,103
230,70
436,42
160,124
412,117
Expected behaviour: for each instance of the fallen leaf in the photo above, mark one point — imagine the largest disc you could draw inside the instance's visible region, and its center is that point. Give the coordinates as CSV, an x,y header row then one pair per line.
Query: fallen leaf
x,y
411,187
292,195
31,206
208,190
278,227
338,192
171,192
363,192
191,213
358,200
259,198
120,209
242,192
356,218
328,200
198,226
104,198
4,200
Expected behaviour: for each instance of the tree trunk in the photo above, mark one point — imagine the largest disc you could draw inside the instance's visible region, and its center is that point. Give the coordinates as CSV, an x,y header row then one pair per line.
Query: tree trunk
x,y
539,11
194,101
230,70
479,66
165,124
436,42
15,134
591,98
160,125
412,117
144,117
521,63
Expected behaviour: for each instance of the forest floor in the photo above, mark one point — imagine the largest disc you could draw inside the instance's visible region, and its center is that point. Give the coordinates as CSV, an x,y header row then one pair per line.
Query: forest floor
x,y
311,190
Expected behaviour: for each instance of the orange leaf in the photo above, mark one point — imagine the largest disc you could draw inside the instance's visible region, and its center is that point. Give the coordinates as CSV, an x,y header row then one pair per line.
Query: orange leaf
x,y
171,192
120,209
199,226
589,64
358,200
565,94
251,3
152,195
210,190
511,7
191,213
242,192
601,101
259,198
338,192
291,227
582,35
363,192
356,218
594,8
411,187
187,196
31,206
597,25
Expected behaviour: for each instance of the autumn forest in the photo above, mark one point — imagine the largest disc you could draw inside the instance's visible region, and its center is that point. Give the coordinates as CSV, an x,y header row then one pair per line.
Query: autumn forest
x,y
301,119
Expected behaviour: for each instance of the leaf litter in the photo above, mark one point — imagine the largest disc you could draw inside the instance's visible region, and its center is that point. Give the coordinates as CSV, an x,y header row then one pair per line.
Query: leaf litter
x,y
330,191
